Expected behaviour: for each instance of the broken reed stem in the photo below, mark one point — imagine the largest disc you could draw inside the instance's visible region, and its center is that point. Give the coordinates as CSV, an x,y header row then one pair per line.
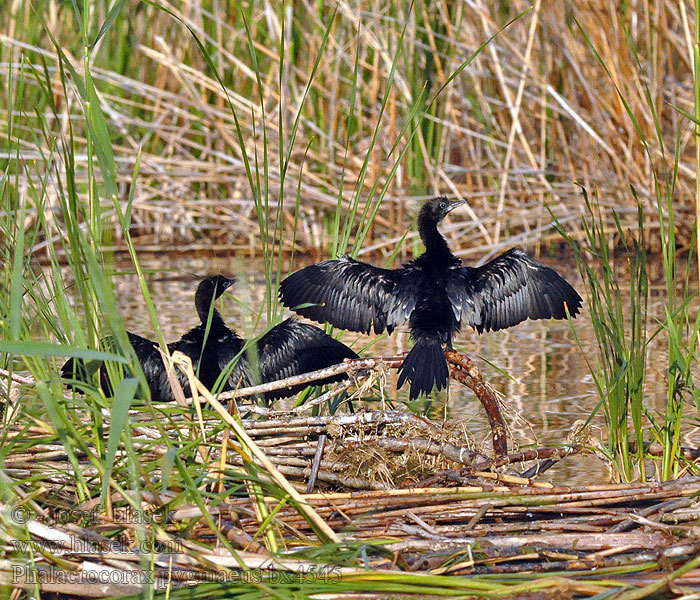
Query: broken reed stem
x,y
466,372
316,464
528,455
16,378
352,367
656,509
552,455
184,363
323,398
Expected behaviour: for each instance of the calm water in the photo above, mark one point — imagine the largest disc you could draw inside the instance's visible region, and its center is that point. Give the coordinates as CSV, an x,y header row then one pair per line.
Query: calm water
x,y
547,387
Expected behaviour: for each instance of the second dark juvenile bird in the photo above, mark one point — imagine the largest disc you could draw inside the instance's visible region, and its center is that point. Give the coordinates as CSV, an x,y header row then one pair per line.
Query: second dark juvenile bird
x,y
434,294
287,349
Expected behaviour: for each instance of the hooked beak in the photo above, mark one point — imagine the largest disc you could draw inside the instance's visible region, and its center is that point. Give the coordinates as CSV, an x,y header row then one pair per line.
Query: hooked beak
x,y
225,282
454,204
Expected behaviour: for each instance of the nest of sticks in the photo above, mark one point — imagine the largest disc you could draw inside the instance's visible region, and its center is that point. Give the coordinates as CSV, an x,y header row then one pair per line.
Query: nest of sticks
x,y
440,505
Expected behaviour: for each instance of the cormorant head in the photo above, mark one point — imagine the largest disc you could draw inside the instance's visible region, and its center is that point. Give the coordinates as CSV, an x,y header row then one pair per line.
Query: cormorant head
x,y
212,287
435,210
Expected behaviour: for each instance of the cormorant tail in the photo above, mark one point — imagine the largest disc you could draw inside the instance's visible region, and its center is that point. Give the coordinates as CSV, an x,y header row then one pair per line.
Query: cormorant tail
x,y
425,367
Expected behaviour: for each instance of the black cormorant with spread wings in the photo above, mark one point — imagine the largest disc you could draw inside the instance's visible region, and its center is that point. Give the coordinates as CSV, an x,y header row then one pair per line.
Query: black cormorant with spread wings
x,y
434,294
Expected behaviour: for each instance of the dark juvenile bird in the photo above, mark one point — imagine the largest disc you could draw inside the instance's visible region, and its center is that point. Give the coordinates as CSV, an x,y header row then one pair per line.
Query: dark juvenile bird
x,y
287,349
434,294
192,344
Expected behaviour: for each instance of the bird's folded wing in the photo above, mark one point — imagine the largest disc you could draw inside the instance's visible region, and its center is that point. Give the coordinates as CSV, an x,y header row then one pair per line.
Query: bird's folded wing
x,y
292,348
509,289
345,293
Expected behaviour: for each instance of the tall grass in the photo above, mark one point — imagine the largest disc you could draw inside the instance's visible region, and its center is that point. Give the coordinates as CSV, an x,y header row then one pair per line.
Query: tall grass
x,y
620,324
620,321
530,122
40,307
618,286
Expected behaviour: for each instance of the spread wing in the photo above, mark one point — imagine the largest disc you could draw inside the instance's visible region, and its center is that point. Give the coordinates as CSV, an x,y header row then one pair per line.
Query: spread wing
x,y
509,289
148,355
346,293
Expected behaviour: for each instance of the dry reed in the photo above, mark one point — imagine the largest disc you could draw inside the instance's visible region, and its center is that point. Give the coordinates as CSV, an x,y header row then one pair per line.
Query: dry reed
x,y
526,122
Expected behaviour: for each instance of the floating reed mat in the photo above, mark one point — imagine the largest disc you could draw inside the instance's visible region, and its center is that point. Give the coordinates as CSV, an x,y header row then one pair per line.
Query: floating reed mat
x,y
380,450
584,539
500,529
243,508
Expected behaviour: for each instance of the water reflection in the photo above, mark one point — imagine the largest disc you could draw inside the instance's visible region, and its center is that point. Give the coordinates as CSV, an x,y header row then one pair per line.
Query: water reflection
x,y
537,366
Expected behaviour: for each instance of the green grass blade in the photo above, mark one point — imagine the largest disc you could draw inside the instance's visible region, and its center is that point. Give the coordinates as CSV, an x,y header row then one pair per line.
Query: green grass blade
x,y
123,398
114,12
31,348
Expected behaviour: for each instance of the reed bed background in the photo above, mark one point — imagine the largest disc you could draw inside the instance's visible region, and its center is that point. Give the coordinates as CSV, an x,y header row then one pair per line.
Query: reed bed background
x,y
271,129
530,118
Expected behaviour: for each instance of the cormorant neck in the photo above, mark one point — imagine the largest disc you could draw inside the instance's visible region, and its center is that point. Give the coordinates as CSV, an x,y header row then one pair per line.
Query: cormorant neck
x,y
435,245
203,301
